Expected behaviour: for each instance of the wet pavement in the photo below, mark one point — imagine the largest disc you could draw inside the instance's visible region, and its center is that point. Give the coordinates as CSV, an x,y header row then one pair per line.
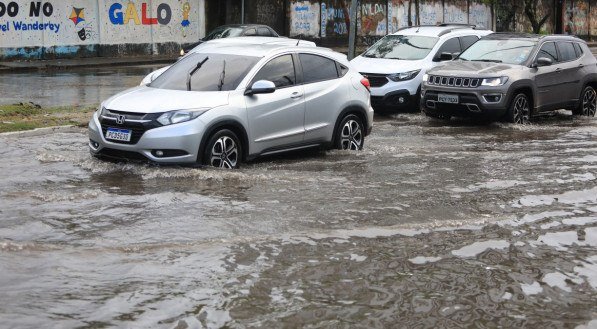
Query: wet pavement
x,y
78,87
432,225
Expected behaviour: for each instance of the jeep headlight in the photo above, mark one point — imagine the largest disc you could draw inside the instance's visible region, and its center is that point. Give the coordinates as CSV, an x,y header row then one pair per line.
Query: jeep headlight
x,y
425,77
173,117
494,82
403,76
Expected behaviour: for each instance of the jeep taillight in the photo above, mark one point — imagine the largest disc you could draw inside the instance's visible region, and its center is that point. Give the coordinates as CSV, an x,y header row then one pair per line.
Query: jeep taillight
x,y
365,82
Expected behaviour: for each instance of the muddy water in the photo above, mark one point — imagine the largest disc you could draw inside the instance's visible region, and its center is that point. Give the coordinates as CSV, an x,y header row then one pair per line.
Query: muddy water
x,y
79,87
432,225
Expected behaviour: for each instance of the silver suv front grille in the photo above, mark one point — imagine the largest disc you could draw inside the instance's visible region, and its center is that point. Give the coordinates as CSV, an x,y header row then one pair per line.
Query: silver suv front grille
x,y
439,80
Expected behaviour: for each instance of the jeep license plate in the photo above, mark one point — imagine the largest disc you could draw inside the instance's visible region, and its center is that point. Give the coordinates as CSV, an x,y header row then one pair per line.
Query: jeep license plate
x,y
447,98
118,134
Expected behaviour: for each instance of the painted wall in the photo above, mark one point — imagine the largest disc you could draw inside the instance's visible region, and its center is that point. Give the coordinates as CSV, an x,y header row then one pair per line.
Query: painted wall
x,y
69,28
376,18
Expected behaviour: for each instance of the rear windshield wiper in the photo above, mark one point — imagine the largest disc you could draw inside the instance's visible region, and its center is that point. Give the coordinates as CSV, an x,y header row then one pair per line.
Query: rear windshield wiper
x,y
193,72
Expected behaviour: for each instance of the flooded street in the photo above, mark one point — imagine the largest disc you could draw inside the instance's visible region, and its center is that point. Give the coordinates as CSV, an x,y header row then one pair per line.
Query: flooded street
x,y
79,87
432,225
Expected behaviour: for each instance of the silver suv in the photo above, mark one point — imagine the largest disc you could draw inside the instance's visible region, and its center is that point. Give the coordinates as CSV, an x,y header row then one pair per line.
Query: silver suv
x,y
230,102
514,77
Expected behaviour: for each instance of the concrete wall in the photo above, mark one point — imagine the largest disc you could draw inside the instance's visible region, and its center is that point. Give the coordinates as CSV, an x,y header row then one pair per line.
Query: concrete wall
x,y
327,20
79,28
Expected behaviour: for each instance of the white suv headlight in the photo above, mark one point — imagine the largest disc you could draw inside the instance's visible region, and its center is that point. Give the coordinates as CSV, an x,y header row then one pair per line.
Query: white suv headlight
x,y
173,117
403,76
494,82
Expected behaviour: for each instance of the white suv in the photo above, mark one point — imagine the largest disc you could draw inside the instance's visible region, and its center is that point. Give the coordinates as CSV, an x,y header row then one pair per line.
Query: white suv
x,y
395,65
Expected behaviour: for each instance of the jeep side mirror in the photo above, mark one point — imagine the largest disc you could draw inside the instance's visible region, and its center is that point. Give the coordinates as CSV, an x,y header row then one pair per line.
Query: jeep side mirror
x,y
445,56
544,61
261,87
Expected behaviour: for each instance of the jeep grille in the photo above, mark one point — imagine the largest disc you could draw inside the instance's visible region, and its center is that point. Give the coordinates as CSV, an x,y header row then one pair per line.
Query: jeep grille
x,y
439,80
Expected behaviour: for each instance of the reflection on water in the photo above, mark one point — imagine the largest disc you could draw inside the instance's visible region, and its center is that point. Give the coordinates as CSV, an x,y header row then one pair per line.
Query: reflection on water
x,y
78,87
432,225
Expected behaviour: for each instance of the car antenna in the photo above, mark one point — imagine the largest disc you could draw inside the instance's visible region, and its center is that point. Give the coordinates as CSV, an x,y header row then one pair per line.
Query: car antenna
x,y
297,42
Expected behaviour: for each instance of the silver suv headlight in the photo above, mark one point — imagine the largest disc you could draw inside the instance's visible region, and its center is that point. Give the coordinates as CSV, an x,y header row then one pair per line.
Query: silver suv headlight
x,y
173,117
494,82
403,76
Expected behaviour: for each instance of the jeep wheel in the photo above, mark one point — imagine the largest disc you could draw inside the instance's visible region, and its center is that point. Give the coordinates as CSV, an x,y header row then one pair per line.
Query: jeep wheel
x,y
520,110
350,134
588,102
223,150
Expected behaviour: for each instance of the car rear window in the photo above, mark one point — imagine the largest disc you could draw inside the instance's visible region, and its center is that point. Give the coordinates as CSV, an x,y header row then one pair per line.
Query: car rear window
x,y
567,52
220,72
317,68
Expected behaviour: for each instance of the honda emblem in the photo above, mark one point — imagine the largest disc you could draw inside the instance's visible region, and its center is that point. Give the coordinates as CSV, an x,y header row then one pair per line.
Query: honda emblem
x,y
120,119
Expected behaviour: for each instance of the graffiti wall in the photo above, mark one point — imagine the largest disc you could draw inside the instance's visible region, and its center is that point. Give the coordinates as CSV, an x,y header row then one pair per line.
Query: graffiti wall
x,y
335,18
66,28
576,17
304,18
456,12
593,18
479,14
430,12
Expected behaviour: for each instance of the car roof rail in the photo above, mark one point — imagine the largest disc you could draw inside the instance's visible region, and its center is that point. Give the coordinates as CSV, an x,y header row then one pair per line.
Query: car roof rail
x,y
454,26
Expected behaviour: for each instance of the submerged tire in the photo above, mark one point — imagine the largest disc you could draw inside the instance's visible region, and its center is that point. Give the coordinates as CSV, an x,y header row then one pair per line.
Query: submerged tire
x,y
520,110
350,134
223,150
588,102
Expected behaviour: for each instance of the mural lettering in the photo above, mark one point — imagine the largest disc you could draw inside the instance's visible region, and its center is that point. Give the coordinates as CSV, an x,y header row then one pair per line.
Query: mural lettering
x,y
304,19
117,17
36,8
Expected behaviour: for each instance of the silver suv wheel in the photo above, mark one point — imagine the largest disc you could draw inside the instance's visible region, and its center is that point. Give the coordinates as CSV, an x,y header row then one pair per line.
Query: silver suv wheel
x,y
350,134
223,150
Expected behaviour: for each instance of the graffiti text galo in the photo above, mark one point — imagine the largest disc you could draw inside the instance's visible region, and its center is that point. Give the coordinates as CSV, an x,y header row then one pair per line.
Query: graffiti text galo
x,y
120,16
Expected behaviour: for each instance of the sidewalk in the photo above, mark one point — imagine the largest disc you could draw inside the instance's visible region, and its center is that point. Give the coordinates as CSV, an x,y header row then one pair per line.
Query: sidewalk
x,y
32,65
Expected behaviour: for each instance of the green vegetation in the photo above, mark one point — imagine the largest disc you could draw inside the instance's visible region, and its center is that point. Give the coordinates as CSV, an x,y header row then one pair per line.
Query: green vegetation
x,y
27,116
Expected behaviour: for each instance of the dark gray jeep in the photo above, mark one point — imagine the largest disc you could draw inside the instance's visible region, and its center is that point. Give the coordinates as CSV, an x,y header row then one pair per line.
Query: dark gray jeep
x,y
513,77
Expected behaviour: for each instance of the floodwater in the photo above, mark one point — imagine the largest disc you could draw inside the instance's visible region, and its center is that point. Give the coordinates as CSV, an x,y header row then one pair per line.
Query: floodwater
x,y
432,225
78,87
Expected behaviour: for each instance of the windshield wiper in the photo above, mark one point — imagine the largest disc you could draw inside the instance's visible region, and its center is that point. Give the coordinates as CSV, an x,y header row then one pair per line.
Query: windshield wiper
x,y
487,60
222,75
193,72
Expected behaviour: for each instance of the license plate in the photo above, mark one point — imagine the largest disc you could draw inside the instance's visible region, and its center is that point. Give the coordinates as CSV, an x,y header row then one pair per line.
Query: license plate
x,y
118,134
447,98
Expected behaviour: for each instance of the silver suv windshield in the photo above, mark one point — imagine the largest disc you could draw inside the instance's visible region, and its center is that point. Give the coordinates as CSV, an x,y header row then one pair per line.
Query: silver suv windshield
x,y
221,72
407,47
509,51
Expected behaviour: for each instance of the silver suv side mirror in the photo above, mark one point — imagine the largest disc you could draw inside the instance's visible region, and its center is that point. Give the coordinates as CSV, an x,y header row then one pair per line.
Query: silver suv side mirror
x,y
544,61
261,87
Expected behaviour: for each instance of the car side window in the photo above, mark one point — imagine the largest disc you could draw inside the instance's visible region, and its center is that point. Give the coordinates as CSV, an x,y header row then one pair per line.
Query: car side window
x,y
279,70
578,49
250,32
263,32
567,52
451,46
548,50
468,41
317,68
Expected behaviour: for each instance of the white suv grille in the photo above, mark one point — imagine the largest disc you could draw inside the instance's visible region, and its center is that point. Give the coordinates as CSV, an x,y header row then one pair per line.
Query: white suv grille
x,y
439,80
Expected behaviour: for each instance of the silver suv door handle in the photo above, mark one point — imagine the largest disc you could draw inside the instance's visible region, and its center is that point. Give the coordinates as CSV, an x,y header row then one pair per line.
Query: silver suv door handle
x,y
558,70
295,95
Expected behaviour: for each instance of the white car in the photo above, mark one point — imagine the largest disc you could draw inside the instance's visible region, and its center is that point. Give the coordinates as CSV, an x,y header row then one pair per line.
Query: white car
x,y
230,41
227,103
395,65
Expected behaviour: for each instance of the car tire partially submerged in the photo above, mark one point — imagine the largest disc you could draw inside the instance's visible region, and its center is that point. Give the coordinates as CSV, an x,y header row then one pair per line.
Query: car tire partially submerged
x,y
588,102
519,110
223,150
350,134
